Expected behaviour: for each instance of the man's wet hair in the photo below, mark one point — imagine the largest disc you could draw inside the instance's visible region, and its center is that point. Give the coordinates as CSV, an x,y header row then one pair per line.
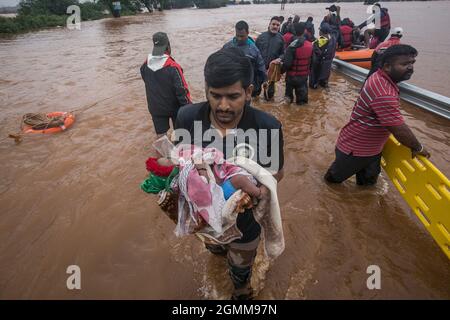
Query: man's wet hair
x,y
277,18
299,28
226,67
310,19
393,52
241,25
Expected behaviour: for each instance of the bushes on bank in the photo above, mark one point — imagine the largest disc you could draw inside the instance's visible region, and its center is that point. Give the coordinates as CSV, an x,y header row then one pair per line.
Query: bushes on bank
x,y
25,23
38,14
91,11
210,4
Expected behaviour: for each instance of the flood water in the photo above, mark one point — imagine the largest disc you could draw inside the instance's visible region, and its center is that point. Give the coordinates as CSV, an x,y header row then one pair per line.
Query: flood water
x,y
74,198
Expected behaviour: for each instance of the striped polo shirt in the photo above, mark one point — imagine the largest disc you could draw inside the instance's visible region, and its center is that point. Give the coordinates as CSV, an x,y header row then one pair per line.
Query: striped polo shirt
x,y
377,107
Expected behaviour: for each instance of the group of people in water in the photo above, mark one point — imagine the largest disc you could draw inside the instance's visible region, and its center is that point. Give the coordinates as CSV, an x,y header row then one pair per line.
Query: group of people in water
x,y
289,48
240,71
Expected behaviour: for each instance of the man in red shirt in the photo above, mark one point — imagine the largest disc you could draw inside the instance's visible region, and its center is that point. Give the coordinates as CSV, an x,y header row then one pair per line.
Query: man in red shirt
x,y
375,116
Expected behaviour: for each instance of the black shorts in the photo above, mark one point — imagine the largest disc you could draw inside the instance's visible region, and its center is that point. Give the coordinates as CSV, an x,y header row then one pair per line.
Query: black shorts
x,y
367,169
161,123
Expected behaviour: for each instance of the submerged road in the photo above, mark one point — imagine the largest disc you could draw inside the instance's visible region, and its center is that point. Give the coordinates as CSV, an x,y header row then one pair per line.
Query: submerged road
x,y
74,198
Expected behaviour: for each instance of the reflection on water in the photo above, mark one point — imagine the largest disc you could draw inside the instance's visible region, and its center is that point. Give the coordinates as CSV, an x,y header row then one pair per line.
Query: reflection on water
x,y
74,198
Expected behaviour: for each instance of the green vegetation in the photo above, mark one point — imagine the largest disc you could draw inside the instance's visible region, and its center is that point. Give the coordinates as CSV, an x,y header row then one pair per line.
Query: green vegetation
x,y
24,23
178,4
38,14
208,4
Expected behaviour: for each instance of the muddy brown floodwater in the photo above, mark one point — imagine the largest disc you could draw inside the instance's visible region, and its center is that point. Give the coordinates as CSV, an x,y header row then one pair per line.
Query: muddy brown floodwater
x,y
74,198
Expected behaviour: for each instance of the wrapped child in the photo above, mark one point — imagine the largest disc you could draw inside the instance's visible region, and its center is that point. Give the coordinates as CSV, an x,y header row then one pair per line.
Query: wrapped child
x,y
211,191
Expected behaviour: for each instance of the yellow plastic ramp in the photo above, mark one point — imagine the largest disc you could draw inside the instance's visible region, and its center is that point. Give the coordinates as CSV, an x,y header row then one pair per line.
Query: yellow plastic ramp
x,y
423,186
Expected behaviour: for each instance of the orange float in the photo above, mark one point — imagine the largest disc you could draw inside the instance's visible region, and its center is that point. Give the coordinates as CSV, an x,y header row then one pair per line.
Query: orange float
x,y
361,58
69,119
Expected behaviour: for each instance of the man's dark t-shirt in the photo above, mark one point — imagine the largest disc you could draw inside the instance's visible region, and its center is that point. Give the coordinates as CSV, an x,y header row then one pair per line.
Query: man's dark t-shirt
x,y
255,134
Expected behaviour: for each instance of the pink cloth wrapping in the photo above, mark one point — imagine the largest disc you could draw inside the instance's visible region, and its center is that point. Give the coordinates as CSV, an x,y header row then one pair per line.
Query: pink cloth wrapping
x,y
197,196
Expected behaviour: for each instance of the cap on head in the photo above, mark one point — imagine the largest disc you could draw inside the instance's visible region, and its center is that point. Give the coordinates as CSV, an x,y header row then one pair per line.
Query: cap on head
x,y
160,43
332,8
398,32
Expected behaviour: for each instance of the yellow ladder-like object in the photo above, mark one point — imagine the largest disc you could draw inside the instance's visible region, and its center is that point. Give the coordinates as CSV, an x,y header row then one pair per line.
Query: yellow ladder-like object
x,y
423,186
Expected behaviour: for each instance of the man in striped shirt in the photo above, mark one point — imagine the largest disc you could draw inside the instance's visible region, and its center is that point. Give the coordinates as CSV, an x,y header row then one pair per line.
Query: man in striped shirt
x,y
375,116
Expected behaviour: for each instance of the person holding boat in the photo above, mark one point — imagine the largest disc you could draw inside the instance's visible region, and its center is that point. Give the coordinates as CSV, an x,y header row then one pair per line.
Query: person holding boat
x,y
375,34
375,116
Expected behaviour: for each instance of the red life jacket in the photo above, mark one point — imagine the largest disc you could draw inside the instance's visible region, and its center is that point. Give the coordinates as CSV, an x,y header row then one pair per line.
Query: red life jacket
x,y
385,22
287,39
346,32
302,61
386,44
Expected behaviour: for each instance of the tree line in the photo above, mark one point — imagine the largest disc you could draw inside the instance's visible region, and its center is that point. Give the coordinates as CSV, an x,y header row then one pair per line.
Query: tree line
x,y
37,14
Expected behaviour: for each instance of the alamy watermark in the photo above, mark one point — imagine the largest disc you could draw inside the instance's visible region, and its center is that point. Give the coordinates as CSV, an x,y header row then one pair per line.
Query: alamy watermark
x,y
374,19
374,280
261,146
73,22
74,280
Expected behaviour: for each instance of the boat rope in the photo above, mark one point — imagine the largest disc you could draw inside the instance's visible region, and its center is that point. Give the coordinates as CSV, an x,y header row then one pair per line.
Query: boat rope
x,y
40,121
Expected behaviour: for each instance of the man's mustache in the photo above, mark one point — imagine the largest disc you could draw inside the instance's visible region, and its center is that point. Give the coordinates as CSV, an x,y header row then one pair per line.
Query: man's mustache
x,y
224,112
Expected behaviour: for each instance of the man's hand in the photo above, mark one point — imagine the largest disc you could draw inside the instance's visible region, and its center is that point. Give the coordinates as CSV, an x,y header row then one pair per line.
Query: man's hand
x,y
276,61
201,224
405,136
265,192
279,175
422,151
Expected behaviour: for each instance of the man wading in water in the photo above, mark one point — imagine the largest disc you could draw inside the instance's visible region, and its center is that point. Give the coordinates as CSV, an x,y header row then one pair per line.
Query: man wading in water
x,y
375,116
165,86
228,78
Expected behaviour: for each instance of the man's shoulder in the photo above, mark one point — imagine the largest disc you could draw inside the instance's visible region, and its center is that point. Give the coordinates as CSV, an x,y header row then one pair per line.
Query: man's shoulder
x,y
377,86
228,44
263,119
170,62
264,34
279,36
253,50
189,113
308,44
